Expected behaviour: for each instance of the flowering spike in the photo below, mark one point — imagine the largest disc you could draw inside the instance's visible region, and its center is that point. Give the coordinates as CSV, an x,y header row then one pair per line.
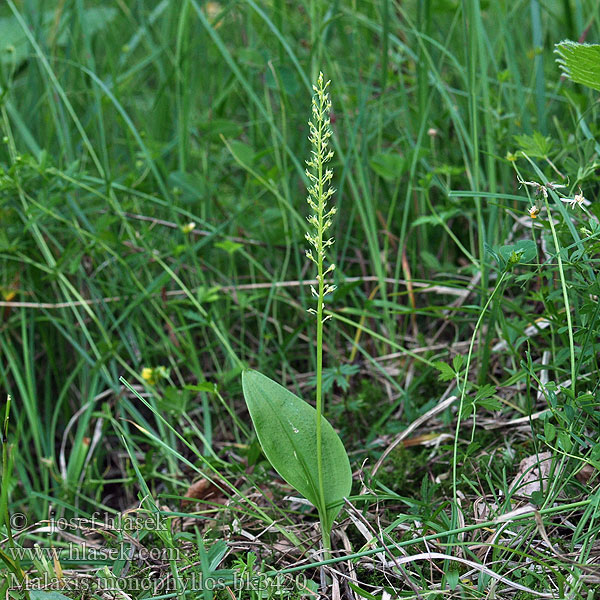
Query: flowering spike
x,y
319,192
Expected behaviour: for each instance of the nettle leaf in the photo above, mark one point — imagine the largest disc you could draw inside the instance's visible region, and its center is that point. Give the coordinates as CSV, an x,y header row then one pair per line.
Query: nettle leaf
x,y
536,145
286,429
485,391
580,62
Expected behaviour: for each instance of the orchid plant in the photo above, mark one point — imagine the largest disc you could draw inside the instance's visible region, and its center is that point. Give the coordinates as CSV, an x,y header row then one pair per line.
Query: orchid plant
x,y
296,438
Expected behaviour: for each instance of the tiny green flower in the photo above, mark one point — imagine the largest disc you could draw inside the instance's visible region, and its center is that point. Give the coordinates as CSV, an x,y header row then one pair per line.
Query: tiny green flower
x,y
320,190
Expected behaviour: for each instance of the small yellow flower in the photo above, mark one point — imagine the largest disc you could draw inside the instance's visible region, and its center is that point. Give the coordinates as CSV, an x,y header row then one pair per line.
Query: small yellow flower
x,y
534,211
189,227
148,374
154,374
7,294
212,10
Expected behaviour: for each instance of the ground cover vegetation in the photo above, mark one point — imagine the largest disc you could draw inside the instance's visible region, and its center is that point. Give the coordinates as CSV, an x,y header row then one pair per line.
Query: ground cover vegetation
x,y
155,284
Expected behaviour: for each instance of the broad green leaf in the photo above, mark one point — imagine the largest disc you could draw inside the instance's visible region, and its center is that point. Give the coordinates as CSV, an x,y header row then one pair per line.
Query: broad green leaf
x,y
243,152
388,165
524,251
580,62
452,579
286,429
564,441
549,432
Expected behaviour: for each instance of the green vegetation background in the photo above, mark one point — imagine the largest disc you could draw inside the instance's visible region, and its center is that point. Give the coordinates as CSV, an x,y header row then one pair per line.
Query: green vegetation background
x,y
152,211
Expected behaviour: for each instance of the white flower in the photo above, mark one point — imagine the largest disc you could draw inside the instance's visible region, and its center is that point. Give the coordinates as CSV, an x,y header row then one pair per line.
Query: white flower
x,y
577,200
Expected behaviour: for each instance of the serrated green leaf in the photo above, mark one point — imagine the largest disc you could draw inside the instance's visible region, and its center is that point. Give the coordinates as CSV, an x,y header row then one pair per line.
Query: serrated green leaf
x,y
580,62
485,391
457,362
286,429
446,372
467,410
536,145
490,404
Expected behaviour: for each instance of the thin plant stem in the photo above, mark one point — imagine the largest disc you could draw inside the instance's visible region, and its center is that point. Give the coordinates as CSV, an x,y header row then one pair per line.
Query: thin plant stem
x,y
463,391
6,475
563,285
319,391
